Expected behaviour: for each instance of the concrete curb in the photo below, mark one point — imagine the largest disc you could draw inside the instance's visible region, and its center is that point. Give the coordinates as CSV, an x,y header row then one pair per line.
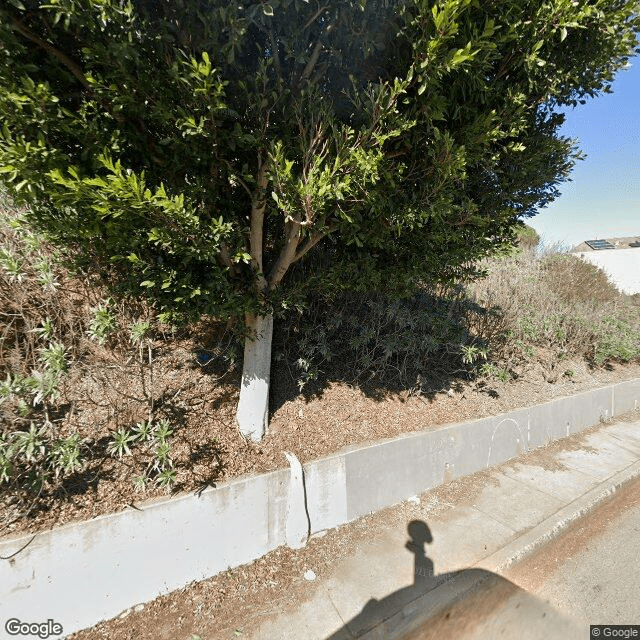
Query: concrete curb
x,y
82,573
550,528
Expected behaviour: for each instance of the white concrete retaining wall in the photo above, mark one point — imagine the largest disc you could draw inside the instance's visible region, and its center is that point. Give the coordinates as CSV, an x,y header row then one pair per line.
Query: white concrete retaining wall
x,y
621,265
80,574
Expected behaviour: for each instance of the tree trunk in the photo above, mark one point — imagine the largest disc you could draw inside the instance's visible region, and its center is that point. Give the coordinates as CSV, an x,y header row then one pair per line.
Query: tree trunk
x,y
252,415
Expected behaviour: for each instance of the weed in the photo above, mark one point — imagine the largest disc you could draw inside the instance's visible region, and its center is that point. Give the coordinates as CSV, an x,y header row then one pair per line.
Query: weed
x,y
33,458
528,306
555,302
11,264
103,322
65,455
139,331
46,330
143,431
163,430
472,353
160,468
370,336
166,478
54,358
45,315
119,444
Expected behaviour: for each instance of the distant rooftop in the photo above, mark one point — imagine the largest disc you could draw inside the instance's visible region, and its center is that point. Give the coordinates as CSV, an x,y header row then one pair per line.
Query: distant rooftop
x,y
632,242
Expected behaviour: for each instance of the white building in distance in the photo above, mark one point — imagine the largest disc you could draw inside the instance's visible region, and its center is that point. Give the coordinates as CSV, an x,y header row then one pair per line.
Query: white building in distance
x,y
619,258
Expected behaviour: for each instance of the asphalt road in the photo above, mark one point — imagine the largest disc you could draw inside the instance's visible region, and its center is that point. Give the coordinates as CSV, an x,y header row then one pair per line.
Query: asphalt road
x,y
592,570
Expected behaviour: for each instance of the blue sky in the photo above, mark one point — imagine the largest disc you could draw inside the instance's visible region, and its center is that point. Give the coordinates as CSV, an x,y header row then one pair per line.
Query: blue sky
x,y
603,199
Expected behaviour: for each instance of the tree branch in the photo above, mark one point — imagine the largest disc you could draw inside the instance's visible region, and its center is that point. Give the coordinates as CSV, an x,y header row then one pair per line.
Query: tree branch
x,y
76,70
316,52
225,259
503,67
316,15
321,73
311,242
240,181
73,66
275,53
285,259
258,205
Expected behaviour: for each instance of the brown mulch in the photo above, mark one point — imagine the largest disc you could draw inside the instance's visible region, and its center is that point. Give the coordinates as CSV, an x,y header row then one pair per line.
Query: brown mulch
x,y
207,448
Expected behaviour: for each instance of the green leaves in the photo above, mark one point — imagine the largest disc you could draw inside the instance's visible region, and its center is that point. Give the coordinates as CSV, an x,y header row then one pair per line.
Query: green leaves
x,y
54,358
119,444
33,457
147,438
31,443
461,56
139,331
411,135
65,455
103,322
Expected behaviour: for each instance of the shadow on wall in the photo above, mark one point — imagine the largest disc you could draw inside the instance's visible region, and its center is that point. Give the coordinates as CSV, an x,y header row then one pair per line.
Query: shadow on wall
x,y
459,605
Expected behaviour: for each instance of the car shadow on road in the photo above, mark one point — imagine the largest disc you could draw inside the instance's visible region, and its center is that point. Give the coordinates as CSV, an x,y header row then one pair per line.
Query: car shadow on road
x,y
469,603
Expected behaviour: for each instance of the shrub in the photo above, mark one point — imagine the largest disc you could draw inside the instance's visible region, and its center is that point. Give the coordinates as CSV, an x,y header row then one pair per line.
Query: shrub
x,y
360,337
527,237
556,302
575,280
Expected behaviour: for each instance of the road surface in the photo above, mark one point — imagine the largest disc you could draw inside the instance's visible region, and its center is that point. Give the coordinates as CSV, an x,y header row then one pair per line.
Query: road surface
x,y
592,570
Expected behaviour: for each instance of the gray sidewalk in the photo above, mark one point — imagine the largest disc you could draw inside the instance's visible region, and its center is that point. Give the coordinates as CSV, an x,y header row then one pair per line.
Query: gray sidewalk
x,y
440,570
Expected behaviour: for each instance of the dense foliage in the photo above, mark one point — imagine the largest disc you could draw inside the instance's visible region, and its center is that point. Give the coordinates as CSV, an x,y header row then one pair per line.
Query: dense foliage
x,y
196,151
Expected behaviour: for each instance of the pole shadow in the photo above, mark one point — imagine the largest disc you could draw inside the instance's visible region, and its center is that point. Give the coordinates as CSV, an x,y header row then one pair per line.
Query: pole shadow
x,y
457,605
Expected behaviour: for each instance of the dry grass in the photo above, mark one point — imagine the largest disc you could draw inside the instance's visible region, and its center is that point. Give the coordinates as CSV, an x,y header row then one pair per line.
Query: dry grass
x,y
532,308
558,303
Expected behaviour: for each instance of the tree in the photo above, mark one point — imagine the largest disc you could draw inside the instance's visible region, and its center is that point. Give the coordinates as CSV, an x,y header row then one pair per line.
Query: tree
x,y
528,237
226,159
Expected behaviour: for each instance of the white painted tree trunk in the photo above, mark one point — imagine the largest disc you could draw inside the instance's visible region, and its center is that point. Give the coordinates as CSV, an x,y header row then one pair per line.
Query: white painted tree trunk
x,y
252,415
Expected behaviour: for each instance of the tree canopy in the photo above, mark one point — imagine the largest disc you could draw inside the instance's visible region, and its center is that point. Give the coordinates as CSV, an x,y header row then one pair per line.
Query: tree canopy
x,y
196,150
